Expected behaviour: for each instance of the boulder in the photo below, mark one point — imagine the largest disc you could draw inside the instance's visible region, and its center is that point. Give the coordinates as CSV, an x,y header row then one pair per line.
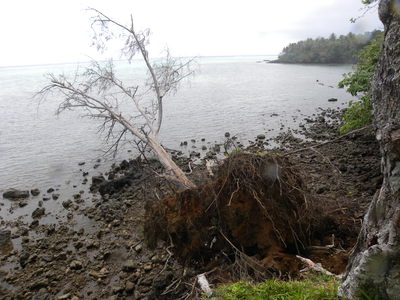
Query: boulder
x,y
332,99
15,194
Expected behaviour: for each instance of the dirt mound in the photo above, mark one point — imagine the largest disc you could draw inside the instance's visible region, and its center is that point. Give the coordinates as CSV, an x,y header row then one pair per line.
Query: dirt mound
x,y
255,205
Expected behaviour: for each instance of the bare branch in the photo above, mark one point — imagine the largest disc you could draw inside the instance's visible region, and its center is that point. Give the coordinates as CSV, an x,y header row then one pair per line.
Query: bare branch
x,y
98,92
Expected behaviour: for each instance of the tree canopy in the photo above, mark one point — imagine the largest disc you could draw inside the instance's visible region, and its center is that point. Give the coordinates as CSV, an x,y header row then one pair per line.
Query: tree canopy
x,y
337,50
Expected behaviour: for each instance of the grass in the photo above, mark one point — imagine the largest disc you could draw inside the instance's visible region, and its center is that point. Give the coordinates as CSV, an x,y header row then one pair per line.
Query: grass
x,y
315,287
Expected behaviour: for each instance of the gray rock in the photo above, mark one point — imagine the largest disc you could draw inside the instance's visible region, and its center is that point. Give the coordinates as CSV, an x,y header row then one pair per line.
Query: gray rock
x,y
38,212
23,259
50,190
261,136
35,192
55,196
332,99
227,134
67,203
15,194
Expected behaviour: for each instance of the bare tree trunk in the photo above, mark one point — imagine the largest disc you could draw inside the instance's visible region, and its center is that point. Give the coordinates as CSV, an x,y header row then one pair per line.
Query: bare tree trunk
x,y
374,268
176,174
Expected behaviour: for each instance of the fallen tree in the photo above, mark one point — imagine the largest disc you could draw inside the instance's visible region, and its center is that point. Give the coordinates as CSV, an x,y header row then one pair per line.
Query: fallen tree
x,y
100,93
254,212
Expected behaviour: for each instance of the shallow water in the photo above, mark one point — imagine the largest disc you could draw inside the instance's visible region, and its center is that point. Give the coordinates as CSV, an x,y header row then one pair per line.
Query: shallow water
x,y
235,94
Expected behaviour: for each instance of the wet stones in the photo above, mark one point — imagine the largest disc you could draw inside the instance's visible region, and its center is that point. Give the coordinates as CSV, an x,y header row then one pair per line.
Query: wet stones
x,y
35,192
97,180
13,194
67,203
38,212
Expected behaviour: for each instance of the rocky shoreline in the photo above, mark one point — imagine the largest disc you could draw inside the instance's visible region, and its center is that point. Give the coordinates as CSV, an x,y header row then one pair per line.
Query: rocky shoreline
x,y
99,251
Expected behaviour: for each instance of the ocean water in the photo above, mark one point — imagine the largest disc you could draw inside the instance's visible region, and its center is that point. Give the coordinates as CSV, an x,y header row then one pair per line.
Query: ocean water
x,y
226,94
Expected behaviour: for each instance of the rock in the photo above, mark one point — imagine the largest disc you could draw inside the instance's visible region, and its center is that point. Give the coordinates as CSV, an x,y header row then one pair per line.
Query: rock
x,y
76,265
55,196
332,99
64,297
227,134
22,203
38,212
35,192
116,289
138,248
261,136
34,224
81,163
204,148
130,286
50,190
6,245
148,267
97,180
23,259
67,203
46,198
15,194
129,265
194,153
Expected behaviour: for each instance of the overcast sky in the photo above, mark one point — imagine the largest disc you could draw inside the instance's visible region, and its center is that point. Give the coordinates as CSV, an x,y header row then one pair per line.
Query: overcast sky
x,y
50,31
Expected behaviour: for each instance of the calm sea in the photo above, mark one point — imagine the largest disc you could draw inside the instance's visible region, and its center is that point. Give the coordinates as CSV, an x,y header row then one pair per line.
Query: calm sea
x,y
227,94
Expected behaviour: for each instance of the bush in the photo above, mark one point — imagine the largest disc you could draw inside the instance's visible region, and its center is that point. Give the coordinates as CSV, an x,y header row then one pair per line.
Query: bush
x,y
359,113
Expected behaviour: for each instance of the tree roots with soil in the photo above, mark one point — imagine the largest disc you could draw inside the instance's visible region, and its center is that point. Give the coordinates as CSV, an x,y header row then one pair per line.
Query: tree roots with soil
x,y
254,214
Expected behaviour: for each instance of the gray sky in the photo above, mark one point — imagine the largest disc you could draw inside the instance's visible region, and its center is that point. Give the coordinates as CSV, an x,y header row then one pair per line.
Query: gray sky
x,y
50,31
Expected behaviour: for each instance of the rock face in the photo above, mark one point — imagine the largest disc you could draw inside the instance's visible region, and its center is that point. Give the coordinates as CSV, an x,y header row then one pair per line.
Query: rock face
x,y
15,194
374,267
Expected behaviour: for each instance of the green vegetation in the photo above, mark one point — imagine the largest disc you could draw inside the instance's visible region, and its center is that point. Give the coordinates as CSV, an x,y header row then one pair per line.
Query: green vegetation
x,y
342,49
358,83
316,287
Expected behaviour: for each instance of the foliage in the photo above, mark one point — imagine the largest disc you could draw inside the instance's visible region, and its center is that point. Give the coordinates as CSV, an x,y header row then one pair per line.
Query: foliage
x,y
358,83
342,49
315,287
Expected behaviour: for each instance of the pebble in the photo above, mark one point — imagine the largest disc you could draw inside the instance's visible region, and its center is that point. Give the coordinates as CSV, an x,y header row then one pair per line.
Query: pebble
x,y
76,265
129,265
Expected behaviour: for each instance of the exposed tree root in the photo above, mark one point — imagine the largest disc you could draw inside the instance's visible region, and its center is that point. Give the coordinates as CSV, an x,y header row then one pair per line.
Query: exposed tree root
x,y
254,213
